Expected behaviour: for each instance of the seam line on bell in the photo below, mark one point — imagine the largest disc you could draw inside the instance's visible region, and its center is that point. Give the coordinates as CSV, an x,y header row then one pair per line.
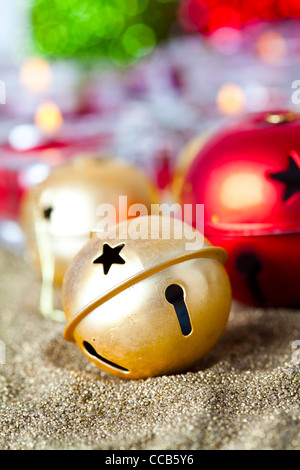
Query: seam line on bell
x,y
216,253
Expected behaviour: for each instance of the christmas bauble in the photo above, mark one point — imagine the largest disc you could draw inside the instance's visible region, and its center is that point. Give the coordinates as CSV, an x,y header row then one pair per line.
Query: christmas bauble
x,y
248,178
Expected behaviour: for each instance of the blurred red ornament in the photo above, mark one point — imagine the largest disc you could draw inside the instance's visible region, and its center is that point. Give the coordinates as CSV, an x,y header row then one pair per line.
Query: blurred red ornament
x,y
163,168
207,16
248,178
11,192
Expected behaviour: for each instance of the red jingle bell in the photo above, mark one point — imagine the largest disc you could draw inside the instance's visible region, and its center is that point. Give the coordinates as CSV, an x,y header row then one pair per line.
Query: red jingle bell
x,y
248,178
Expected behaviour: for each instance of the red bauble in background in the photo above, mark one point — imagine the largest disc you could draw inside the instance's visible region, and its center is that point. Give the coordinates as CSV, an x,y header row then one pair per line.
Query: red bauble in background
x,y
248,178
207,16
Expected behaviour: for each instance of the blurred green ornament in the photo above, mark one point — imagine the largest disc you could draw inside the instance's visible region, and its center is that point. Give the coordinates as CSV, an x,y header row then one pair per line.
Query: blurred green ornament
x,y
122,30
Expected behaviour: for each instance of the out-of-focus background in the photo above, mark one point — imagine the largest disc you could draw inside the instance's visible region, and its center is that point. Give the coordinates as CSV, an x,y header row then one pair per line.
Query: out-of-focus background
x,y
140,80
134,78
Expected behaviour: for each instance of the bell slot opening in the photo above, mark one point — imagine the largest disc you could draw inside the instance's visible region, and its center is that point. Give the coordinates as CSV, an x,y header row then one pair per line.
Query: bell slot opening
x,y
175,296
89,348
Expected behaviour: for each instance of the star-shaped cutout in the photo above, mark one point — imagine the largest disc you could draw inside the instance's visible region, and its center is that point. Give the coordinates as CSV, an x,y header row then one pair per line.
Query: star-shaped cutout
x,y
110,256
290,176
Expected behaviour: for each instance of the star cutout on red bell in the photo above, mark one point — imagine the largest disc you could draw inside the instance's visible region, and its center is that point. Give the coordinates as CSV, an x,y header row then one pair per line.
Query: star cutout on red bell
x,y
248,178
290,177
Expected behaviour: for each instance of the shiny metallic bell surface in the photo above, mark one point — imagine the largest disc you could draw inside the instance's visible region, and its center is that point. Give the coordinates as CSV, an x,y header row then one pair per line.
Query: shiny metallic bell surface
x,y
139,303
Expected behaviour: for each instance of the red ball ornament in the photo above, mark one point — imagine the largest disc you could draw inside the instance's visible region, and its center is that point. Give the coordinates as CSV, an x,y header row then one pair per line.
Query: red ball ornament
x,y
248,178
207,16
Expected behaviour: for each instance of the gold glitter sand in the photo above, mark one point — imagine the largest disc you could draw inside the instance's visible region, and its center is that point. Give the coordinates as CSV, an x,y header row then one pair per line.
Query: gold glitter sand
x,y
243,395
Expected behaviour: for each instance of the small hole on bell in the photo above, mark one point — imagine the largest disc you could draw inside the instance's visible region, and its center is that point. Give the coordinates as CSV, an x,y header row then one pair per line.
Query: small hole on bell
x,y
48,212
89,348
175,296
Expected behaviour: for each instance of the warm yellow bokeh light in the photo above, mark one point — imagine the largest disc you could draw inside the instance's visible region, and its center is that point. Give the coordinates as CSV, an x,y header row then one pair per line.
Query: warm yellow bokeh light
x,y
271,46
215,219
242,191
231,99
48,118
36,75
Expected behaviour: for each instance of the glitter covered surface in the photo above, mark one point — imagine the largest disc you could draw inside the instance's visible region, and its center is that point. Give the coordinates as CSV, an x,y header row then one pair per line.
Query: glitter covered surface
x,y
243,395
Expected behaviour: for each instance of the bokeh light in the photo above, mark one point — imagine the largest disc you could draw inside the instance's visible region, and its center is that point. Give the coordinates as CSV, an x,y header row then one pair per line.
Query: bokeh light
x,y
24,137
208,16
231,99
271,46
48,118
36,75
121,30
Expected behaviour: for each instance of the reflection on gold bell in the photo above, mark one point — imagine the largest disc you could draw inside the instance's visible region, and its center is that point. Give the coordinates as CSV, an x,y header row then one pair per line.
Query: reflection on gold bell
x,y
139,303
184,160
58,214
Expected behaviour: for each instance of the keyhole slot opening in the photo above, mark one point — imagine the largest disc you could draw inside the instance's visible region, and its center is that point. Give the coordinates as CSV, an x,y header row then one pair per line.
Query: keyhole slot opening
x,y
175,296
249,265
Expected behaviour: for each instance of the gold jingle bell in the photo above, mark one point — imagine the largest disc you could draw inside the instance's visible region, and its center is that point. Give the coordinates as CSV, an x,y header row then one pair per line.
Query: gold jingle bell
x,y
58,214
138,303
